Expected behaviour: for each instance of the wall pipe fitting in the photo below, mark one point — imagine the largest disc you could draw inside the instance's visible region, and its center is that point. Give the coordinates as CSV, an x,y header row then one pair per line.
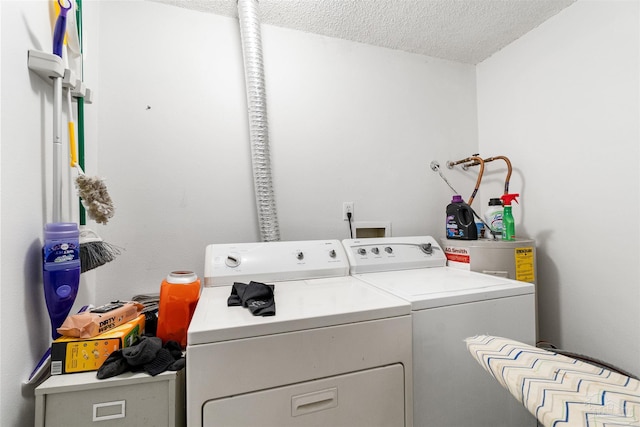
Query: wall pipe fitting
x,y
468,161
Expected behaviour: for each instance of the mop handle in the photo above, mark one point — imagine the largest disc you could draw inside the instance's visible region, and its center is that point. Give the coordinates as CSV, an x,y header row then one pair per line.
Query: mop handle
x,y
80,112
58,39
57,149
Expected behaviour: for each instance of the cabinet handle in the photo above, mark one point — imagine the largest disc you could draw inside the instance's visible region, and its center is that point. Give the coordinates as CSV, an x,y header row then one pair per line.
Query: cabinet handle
x,y
313,402
108,410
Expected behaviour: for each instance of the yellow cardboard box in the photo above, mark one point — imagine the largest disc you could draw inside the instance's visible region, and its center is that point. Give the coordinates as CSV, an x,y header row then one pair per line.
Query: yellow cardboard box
x,y
70,355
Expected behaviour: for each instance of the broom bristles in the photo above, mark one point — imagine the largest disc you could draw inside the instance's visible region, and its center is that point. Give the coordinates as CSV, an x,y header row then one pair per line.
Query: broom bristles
x,y
95,254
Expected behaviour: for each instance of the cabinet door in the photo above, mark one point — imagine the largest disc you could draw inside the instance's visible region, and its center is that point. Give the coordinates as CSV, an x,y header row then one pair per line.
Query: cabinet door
x,y
370,398
131,405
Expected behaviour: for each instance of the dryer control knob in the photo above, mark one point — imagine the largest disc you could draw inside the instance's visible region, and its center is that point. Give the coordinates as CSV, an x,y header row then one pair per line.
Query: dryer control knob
x,y
300,255
375,250
232,261
332,253
388,250
362,251
426,248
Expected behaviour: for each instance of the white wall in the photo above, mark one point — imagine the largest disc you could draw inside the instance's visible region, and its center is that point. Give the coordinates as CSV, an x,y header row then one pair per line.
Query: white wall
x,y
348,122
562,103
25,202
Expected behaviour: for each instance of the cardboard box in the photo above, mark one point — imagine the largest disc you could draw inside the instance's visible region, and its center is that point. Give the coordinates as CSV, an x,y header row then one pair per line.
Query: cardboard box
x,y
70,355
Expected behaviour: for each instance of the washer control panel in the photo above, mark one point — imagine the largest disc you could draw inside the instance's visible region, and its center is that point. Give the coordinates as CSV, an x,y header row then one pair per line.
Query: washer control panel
x,y
274,261
393,253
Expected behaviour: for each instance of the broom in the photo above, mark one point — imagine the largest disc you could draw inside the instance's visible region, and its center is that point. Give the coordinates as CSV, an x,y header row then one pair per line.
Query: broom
x,y
94,197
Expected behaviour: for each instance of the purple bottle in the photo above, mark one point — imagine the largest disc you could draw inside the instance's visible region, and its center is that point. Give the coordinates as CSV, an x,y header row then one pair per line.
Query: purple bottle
x,y
61,270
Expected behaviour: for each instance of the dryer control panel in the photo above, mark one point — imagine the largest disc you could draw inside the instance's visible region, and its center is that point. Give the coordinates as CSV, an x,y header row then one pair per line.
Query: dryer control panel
x,y
274,261
393,253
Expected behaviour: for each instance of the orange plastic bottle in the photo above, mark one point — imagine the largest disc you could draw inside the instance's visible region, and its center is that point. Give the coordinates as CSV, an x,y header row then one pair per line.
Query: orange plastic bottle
x,y
179,294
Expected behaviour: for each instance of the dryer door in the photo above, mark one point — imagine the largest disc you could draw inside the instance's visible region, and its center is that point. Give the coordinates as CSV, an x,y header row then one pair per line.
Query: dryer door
x,y
370,398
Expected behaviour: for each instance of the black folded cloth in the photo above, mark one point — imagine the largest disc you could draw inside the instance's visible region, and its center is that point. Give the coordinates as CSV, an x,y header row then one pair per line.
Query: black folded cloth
x,y
146,354
255,296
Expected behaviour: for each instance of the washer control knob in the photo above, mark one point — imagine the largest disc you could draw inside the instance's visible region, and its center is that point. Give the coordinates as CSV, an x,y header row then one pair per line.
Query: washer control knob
x,y
426,248
362,251
332,253
375,250
300,255
232,261
388,250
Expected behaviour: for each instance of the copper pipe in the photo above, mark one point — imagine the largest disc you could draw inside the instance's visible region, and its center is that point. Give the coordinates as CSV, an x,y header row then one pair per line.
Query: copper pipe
x,y
508,177
490,159
476,160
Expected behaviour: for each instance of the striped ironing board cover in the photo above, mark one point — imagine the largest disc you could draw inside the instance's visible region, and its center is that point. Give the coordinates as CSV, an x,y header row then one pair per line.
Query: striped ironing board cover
x,y
559,390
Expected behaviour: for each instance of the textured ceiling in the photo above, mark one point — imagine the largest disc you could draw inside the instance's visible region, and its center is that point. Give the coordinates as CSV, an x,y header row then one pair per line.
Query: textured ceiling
x,y
467,31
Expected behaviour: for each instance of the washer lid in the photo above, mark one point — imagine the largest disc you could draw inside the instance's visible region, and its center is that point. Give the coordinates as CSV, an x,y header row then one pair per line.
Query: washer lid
x,y
300,305
442,286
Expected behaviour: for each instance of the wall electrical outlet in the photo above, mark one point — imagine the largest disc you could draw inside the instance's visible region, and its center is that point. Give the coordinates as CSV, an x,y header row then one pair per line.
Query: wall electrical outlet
x,y
347,207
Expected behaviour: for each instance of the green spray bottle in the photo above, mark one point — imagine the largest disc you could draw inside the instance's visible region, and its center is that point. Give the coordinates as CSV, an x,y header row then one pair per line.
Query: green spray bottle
x,y
508,223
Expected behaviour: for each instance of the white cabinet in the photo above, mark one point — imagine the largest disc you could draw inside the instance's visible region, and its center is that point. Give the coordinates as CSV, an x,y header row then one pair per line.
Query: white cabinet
x,y
129,399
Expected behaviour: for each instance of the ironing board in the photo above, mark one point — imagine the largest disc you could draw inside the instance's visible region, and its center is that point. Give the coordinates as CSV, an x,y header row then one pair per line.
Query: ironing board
x,y
559,391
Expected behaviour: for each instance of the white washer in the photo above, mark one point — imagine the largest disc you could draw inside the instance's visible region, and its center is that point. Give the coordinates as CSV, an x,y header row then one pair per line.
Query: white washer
x,y
336,353
449,305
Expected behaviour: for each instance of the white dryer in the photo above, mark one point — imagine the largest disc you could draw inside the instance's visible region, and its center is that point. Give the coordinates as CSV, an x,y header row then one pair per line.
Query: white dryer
x,y
449,305
336,353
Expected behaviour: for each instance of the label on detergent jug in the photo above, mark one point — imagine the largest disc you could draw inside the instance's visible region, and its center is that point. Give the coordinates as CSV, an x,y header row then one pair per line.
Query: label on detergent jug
x,y
452,227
